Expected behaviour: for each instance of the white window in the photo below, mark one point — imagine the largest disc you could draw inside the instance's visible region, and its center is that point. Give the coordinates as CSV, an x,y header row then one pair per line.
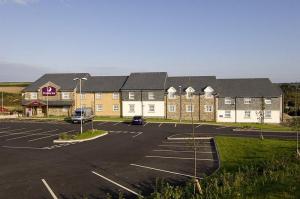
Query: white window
x,y
247,114
208,108
268,101
171,95
151,108
82,96
99,107
116,107
172,108
228,100
115,96
228,114
131,95
65,109
189,108
268,114
150,95
189,95
65,95
247,100
33,95
131,108
98,95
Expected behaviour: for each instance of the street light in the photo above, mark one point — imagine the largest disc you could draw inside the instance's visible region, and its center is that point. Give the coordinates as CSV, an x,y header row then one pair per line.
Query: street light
x,y
180,90
80,80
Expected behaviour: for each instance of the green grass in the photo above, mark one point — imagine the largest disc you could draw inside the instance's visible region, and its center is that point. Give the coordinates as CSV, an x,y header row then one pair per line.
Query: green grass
x,y
265,127
14,84
84,135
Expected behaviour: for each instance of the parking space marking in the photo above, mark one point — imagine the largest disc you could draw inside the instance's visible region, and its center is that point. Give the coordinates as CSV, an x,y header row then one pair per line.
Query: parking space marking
x,y
48,136
160,124
30,135
171,145
24,132
24,147
198,126
222,127
175,125
138,133
162,170
116,123
146,123
177,158
165,150
49,189
115,183
101,123
9,131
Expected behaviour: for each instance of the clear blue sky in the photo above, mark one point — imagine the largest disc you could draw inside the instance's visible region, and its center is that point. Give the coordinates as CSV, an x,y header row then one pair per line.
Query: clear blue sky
x,y
232,38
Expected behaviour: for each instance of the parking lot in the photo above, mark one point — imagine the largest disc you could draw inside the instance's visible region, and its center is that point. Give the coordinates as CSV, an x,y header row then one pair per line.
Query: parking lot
x,y
129,159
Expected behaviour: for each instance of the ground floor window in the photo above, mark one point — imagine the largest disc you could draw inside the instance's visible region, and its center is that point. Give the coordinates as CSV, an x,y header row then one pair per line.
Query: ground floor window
x,y
151,108
247,114
131,108
228,114
116,107
189,108
172,108
65,109
99,107
208,108
268,114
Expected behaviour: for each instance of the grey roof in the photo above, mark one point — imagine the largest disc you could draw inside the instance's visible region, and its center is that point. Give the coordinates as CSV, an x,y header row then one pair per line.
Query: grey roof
x,y
103,83
196,82
146,81
253,87
64,80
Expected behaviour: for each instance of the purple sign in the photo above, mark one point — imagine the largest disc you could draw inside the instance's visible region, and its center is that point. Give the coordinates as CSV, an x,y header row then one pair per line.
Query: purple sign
x,y
48,91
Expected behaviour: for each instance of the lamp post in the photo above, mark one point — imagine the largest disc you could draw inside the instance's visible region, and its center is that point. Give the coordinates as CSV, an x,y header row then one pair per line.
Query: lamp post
x,y
180,90
80,80
296,120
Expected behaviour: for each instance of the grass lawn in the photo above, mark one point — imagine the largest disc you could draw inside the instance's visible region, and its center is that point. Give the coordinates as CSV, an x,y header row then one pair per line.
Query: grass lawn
x,y
265,127
84,135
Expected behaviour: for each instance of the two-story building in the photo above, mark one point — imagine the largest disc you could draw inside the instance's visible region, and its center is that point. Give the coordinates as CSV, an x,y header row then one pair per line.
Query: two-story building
x,y
52,94
248,100
143,94
102,94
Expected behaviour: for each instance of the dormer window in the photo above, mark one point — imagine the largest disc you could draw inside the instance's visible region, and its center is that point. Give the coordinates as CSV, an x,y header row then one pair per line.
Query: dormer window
x,y
171,93
189,92
208,92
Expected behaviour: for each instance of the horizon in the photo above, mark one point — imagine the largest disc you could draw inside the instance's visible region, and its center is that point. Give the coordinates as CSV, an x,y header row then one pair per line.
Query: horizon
x,y
232,39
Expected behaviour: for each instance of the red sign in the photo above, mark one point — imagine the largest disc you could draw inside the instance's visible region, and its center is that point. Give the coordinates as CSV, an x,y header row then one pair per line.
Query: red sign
x,y
48,91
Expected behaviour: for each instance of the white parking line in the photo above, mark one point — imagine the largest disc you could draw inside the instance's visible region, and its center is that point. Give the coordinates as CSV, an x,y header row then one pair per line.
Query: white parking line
x,y
177,158
48,136
115,183
116,123
30,135
175,125
24,147
162,150
146,123
138,133
102,123
23,132
198,126
222,127
170,145
49,189
162,170
160,124
9,131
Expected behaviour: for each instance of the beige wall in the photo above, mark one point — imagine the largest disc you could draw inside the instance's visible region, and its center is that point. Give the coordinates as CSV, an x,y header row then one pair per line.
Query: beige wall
x,y
106,100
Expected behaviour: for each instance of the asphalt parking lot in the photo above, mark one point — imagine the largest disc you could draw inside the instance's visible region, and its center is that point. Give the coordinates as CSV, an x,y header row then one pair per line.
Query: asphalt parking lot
x,y
129,159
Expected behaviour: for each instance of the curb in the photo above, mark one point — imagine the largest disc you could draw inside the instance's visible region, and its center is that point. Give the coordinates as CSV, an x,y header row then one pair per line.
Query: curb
x,y
190,138
257,130
76,141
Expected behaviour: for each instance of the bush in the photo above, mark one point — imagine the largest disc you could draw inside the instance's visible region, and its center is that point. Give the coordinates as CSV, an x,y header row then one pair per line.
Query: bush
x,y
65,136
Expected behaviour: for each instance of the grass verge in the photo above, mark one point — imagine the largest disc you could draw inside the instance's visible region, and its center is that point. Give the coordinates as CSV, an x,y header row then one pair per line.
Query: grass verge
x,y
84,135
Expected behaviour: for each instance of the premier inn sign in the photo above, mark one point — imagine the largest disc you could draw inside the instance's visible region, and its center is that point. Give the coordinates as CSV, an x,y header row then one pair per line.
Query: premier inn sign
x,y
48,91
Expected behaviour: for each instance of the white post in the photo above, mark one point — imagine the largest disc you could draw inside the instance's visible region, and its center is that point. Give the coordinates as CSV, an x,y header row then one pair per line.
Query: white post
x,y
47,99
80,106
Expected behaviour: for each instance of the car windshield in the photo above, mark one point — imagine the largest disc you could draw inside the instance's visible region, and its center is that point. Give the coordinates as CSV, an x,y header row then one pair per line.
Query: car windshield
x,y
137,118
78,113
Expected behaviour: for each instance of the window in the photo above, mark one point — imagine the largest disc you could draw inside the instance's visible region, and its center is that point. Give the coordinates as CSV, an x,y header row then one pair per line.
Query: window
x,y
65,109
115,96
172,108
268,101
116,107
99,107
189,95
150,95
151,108
65,95
208,108
189,108
228,100
171,95
33,95
247,100
268,114
131,108
131,95
228,114
98,95
247,114
82,96
208,95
